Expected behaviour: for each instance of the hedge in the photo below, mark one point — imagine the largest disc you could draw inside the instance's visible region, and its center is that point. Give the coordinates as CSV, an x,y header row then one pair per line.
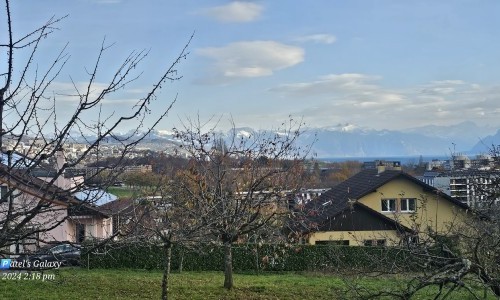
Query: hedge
x,y
251,257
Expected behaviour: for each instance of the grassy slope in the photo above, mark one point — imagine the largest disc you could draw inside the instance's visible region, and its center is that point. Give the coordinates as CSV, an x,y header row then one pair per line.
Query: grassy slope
x,y
127,284
121,192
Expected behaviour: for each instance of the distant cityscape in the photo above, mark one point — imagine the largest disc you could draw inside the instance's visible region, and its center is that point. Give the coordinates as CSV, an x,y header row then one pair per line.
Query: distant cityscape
x,y
461,177
456,175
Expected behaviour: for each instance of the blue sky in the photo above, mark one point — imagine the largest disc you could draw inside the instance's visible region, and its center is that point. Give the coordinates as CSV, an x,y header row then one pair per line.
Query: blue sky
x,y
378,64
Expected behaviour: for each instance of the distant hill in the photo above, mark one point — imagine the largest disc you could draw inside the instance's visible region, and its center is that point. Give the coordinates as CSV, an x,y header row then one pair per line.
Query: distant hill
x,y
349,140
464,135
357,142
485,144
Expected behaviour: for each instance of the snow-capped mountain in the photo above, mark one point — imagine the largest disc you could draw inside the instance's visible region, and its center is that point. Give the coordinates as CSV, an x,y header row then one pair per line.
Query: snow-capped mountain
x,y
244,132
350,140
363,142
346,127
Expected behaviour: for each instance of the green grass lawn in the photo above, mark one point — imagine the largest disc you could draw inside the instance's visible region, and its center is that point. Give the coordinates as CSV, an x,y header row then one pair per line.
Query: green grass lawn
x,y
121,192
136,284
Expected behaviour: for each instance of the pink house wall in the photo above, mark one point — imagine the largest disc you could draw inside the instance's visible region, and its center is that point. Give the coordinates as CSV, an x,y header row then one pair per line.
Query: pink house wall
x,y
98,226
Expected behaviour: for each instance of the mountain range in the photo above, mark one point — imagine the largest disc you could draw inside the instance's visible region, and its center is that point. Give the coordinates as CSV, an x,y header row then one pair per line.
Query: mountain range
x,y
349,140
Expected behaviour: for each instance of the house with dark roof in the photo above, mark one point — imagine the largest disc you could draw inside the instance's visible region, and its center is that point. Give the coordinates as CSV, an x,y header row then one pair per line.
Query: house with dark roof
x,y
380,207
38,210
135,217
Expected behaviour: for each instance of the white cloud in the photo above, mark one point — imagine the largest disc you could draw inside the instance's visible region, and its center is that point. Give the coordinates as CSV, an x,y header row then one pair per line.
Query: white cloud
x,y
362,99
349,97
333,83
320,38
251,59
66,92
237,11
443,87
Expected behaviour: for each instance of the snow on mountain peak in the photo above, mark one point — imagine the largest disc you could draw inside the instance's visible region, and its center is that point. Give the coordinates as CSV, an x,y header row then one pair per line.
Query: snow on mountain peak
x,y
349,127
165,132
346,127
244,133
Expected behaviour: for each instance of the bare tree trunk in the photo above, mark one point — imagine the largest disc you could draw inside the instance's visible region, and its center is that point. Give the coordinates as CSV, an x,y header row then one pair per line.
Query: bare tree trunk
x,y
257,259
166,271
488,281
1,120
181,259
228,266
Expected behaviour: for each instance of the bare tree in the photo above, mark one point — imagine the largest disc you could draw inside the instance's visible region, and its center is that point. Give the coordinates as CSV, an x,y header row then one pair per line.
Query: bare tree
x,y
161,213
31,123
237,183
462,262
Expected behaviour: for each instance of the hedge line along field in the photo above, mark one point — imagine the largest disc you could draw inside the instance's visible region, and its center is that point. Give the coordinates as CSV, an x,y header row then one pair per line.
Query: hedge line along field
x,y
76,283
250,258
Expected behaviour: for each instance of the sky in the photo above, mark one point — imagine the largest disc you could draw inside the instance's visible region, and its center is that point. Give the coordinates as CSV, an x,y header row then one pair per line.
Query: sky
x,y
385,64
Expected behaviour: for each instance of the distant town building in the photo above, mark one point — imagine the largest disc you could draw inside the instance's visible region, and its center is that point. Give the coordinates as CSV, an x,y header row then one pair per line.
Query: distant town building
x,y
469,180
138,169
306,195
470,186
463,162
370,165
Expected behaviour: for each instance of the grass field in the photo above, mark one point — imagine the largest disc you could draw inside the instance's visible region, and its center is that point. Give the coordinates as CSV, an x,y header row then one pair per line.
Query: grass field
x,y
121,192
137,284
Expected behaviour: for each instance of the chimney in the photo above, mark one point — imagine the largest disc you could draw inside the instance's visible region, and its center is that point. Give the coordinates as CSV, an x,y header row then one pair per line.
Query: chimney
x,y
396,165
60,161
380,167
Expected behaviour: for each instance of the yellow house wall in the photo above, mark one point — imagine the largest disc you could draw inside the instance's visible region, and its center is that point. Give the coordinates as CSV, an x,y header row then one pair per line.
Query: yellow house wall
x,y
432,211
356,238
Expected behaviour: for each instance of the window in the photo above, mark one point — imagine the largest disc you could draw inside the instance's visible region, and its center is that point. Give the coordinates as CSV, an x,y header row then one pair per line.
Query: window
x,y
116,224
90,230
374,243
388,205
408,205
80,232
410,241
3,194
404,205
337,243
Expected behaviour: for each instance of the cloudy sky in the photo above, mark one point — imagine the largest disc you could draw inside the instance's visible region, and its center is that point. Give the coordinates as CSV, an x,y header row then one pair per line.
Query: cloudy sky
x,y
385,64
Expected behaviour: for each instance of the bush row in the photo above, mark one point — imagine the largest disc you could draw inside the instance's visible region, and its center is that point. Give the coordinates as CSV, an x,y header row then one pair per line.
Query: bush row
x,y
251,257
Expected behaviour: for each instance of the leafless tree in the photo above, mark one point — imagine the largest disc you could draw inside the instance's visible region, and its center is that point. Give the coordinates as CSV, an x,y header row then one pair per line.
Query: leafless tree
x,y
464,261
161,213
30,120
237,183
